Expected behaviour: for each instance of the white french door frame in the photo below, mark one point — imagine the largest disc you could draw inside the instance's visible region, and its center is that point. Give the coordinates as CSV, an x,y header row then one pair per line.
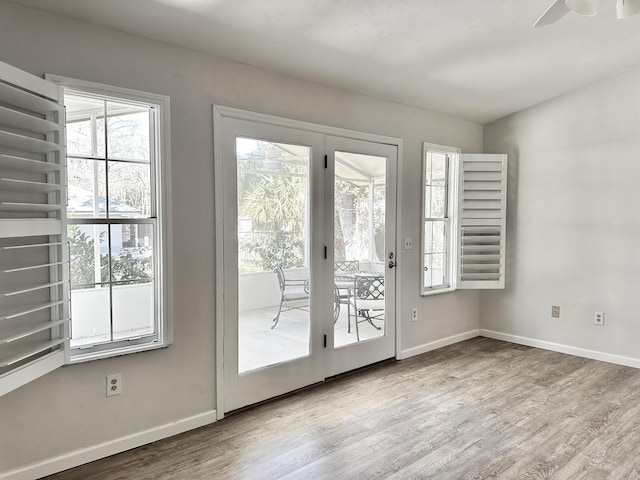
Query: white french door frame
x,y
219,114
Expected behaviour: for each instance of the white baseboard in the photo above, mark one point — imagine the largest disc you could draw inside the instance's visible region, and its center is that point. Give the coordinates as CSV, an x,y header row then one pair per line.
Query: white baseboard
x,y
557,347
102,450
427,347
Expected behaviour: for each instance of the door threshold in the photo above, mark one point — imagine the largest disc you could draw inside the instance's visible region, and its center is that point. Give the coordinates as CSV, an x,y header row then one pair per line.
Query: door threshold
x,y
333,378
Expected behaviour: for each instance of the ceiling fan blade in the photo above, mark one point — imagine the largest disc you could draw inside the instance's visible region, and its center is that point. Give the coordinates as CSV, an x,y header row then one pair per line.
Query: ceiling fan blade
x,y
554,13
626,8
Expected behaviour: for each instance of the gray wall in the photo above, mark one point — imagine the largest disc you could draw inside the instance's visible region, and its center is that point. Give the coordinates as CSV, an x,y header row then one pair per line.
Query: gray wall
x,y
573,222
67,409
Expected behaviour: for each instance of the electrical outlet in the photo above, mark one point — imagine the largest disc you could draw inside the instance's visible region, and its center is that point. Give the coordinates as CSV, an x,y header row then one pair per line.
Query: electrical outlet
x,y
408,243
114,384
555,311
414,314
598,318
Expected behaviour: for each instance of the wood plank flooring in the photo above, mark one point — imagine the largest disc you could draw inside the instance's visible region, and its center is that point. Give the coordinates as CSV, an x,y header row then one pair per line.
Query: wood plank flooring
x,y
478,409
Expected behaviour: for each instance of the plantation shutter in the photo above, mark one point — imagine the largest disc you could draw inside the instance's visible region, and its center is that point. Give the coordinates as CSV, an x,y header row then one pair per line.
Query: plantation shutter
x,y
34,270
482,208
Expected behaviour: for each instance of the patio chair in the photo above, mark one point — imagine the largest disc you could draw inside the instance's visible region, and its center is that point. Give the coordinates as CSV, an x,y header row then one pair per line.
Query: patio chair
x,y
346,266
367,301
292,293
343,272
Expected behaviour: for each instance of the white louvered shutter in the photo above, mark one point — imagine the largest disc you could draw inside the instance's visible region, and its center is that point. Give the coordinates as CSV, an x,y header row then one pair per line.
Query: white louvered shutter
x,y
482,208
34,271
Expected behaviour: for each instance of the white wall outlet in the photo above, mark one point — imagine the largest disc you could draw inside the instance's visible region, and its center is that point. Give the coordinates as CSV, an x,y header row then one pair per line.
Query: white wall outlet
x,y
414,314
408,243
598,318
555,311
114,384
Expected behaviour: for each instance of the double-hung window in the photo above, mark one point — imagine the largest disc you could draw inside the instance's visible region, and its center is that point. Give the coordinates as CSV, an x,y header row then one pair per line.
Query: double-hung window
x,y
84,215
115,219
464,220
437,225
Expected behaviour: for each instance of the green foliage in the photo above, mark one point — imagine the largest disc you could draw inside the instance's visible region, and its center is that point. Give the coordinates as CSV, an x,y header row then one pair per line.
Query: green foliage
x,y
125,266
82,256
128,264
276,205
275,248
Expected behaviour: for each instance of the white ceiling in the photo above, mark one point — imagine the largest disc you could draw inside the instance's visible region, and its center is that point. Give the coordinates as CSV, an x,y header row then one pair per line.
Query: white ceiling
x,y
475,59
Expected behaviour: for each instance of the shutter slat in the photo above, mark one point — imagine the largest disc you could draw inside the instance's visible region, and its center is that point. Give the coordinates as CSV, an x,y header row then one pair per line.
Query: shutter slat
x,y
22,164
482,213
482,167
32,267
480,239
481,276
483,195
34,288
480,248
20,227
28,101
23,121
483,186
488,257
19,333
13,354
481,267
482,176
28,207
25,143
482,204
29,310
27,186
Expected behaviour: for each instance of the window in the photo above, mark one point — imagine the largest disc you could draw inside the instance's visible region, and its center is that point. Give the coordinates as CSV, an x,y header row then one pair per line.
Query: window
x,y
464,220
117,175
438,209
116,227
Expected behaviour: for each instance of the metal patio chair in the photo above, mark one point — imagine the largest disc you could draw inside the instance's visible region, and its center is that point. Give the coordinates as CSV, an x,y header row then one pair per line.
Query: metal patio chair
x,y
292,293
367,301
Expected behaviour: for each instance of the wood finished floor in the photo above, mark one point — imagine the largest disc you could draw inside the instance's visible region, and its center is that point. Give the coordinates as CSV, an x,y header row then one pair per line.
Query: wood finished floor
x,y
478,409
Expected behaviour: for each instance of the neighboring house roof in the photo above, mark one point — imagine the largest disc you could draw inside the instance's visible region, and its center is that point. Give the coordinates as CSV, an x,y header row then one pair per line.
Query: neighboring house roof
x,y
80,202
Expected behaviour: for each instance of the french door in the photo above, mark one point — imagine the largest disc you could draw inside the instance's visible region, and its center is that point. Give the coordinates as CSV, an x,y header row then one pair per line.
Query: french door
x,y
296,206
360,221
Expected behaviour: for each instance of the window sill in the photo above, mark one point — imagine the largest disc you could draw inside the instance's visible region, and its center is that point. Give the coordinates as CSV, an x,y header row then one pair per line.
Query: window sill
x,y
436,291
114,352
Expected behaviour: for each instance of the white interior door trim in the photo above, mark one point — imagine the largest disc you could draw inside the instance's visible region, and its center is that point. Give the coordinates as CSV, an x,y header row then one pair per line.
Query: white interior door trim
x,y
220,112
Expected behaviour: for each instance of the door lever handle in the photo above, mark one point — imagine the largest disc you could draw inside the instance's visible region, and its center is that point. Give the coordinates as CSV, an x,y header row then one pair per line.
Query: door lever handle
x,y
392,264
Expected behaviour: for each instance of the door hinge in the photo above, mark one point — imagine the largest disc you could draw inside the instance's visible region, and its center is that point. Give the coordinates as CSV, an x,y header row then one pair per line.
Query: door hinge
x,y
325,341
326,161
325,253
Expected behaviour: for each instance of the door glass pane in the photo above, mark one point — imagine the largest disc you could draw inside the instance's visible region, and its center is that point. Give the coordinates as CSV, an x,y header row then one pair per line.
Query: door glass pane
x,y
359,250
273,246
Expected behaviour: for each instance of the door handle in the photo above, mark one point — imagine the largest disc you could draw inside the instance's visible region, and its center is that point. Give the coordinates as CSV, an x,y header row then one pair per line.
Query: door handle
x,y
392,264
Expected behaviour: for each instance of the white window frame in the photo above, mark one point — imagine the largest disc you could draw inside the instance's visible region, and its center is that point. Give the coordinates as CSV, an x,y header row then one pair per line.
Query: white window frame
x,y
451,215
161,190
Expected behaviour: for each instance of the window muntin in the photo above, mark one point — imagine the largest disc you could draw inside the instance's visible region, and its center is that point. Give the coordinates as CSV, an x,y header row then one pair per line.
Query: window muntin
x,y
112,222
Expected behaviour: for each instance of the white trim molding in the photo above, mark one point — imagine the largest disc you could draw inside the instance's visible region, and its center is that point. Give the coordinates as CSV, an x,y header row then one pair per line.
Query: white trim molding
x,y
106,449
443,342
560,348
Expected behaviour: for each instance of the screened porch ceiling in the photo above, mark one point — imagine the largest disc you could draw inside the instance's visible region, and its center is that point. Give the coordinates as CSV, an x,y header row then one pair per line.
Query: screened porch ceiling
x,y
356,168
